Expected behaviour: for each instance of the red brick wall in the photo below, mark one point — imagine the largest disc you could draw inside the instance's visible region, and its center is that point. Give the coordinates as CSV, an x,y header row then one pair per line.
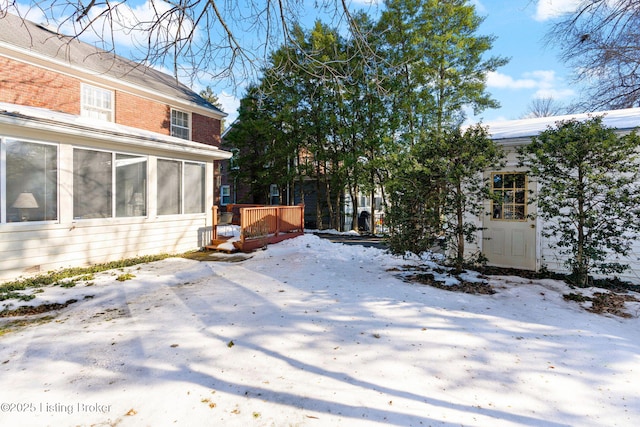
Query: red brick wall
x,y
205,129
26,84
143,113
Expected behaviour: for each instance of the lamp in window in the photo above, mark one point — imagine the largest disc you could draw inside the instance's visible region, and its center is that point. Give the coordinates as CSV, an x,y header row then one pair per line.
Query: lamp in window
x,y
24,202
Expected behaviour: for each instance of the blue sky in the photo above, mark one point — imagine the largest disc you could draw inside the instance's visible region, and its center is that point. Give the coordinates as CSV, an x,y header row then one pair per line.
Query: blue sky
x,y
518,25
534,69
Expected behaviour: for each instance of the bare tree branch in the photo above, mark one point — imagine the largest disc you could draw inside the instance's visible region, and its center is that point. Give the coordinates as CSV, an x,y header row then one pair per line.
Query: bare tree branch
x,y
198,38
601,41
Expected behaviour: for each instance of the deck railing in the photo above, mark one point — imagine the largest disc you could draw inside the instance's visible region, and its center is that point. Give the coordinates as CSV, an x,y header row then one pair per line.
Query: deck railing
x,y
262,225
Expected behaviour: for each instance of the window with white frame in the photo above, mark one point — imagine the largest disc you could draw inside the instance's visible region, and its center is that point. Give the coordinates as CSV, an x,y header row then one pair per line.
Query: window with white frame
x,y
169,187
107,184
225,195
181,187
29,181
194,194
96,103
180,124
131,185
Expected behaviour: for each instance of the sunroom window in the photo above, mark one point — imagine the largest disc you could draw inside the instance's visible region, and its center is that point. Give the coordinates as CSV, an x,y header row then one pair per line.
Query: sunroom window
x,y
194,195
31,179
105,183
92,184
169,187
181,187
131,185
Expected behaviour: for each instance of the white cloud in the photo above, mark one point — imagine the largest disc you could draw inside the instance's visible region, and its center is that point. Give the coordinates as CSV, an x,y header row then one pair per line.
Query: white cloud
x,y
537,84
128,27
550,9
503,81
556,94
132,27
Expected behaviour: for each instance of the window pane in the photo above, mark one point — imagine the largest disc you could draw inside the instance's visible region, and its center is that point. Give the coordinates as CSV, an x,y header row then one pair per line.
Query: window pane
x,y
131,185
179,124
225,195
194,176
497,181
169,185
508,197
92,178
497,210
508,180
32,181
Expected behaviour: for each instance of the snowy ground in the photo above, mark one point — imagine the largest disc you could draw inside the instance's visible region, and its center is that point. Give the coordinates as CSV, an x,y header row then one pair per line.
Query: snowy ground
x,y
313,333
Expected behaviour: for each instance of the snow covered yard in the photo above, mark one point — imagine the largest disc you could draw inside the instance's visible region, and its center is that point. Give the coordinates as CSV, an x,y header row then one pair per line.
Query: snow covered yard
x,y
313,333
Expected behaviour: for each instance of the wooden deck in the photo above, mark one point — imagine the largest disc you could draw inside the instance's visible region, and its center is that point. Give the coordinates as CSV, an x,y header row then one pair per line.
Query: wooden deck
x,y
259,227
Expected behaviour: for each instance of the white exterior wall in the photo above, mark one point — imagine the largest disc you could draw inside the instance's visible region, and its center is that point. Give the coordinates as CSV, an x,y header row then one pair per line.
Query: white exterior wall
x,y
38,247
550,260
546,256
35,248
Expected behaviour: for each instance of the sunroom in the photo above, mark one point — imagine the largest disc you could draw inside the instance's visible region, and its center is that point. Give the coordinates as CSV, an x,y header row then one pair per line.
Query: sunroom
x,y
77,191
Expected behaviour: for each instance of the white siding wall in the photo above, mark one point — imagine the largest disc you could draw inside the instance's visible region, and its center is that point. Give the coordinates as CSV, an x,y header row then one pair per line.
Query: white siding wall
x,y
44,246
553,262
41,248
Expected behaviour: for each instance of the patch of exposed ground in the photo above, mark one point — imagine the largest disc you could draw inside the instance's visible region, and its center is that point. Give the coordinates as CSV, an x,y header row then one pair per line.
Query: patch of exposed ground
x,y
444,279
36,309
618,299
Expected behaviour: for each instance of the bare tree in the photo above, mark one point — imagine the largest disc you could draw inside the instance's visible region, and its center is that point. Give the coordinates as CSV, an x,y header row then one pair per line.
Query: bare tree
x,y
544,107
601,40
197,38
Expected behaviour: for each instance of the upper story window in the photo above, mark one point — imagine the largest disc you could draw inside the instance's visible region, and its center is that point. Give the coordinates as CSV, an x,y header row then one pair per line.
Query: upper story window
x,y
180,124
97,103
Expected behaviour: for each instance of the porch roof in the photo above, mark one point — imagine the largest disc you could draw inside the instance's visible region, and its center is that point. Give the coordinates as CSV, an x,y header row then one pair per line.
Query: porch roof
x,y
55,121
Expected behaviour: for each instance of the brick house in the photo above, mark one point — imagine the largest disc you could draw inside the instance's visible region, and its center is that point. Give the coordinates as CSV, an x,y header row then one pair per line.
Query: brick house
x,y
101,158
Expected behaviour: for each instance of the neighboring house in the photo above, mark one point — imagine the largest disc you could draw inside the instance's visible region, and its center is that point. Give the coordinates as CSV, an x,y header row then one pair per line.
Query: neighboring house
x,y
101,158
510,238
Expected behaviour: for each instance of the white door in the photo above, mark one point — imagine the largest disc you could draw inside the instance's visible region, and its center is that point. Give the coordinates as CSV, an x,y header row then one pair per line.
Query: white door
x,y
509,238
